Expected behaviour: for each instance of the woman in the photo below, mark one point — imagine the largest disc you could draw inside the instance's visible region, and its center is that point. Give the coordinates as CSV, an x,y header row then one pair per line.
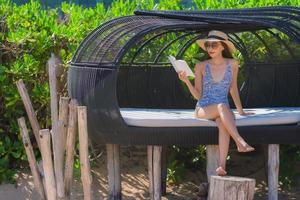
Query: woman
x,y
214,77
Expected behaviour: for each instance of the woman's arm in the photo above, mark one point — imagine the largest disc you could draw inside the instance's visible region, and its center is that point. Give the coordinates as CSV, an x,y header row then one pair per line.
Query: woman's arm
x,y
234,92
196,90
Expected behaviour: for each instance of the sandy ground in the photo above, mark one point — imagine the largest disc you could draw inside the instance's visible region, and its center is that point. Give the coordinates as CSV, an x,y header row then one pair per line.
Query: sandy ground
x,y
135,180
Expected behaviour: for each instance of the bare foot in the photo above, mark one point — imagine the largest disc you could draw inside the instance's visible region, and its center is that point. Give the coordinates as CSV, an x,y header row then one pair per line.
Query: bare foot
x,y
220,171
244,147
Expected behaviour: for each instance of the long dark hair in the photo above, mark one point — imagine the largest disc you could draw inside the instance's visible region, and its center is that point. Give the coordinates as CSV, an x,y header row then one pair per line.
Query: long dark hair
x,y
226,53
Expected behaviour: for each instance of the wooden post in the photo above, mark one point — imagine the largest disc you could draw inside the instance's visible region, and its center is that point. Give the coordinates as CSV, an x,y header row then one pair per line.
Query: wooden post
x,y
154,170
29,110
31,158
48,164
58,155
86,177
150,170
59,145
273,170
230,187
63,117
71,138
53,88
57,127
212,157
114,175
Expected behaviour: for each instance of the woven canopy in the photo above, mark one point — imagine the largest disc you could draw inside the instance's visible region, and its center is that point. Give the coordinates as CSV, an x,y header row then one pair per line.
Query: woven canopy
x,y
109,43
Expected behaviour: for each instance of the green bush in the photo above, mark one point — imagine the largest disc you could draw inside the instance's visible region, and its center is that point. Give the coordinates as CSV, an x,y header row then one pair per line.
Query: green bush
x,y
28,34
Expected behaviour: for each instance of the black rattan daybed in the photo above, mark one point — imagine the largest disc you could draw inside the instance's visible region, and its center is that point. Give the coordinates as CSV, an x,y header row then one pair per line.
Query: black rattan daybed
x,y
121,73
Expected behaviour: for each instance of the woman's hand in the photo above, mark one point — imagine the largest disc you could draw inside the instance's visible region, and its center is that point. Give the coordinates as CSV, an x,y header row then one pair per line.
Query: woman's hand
x,y
246,113
182,76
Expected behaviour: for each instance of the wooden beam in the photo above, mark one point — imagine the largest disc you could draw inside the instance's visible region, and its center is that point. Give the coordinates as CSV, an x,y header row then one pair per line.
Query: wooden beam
x,y
53,88
70,149
31,158
29,110
48,164
57,127
154,170
63,117
114,175
86,176
273,171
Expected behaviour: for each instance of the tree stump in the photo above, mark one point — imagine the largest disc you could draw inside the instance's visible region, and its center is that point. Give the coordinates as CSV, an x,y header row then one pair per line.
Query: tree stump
x,y
231,187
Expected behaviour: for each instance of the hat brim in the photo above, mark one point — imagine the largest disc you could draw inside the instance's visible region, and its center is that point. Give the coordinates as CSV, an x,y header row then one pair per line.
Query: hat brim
x,y
230,45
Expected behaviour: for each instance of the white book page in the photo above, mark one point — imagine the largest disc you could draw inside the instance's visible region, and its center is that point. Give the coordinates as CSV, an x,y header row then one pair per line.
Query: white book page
x,y
181,65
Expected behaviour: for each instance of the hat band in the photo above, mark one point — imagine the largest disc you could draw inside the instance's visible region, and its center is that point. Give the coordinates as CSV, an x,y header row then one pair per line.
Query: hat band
x,y
215,36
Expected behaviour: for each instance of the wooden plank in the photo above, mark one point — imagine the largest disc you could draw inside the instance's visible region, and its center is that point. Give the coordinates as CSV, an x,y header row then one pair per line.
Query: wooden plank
x,y
58,158
157,171
48,164
231,187
53,88
273,171
114,175
60,145
86,176
154,170
29,110
70,147
57,127
63,117
150,170
31,158
212,157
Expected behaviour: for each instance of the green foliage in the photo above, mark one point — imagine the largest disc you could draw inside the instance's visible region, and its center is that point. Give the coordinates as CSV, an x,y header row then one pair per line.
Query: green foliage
x,y
181,159
289,172
28,34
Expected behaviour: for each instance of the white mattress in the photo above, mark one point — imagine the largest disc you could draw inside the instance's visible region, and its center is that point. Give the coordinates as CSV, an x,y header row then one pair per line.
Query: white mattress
x,y
185,117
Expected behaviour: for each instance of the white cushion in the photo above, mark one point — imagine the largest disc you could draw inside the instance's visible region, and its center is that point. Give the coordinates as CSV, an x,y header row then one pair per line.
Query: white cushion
x,y
145,117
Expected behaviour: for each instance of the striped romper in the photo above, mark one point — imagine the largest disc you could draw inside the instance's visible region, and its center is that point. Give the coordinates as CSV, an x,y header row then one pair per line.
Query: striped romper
x,y
215,92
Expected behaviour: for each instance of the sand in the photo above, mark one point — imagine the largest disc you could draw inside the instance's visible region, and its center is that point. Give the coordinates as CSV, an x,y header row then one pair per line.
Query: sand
x,y
135,180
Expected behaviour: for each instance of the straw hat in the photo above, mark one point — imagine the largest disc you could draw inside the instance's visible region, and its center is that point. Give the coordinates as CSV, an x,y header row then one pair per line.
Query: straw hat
x,y
215,35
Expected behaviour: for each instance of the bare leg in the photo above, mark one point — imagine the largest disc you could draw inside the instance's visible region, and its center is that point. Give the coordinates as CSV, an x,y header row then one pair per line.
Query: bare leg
x,y
228,121
224,139
223,111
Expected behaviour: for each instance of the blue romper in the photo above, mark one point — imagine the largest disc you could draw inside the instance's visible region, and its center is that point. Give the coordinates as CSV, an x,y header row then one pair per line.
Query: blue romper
x,y
215,92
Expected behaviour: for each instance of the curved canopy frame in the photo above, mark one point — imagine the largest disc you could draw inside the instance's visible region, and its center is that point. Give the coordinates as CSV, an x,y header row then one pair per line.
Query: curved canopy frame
x,y
107,44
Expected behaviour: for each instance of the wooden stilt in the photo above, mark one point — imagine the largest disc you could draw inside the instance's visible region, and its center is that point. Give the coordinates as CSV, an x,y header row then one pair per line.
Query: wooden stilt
x,y
154,170
273,170
48,164
71,139
150,170
31,158
212,156
114,175
86,176
29,110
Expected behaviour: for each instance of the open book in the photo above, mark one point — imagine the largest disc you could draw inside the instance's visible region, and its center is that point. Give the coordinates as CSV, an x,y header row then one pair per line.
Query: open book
x,y
181,65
